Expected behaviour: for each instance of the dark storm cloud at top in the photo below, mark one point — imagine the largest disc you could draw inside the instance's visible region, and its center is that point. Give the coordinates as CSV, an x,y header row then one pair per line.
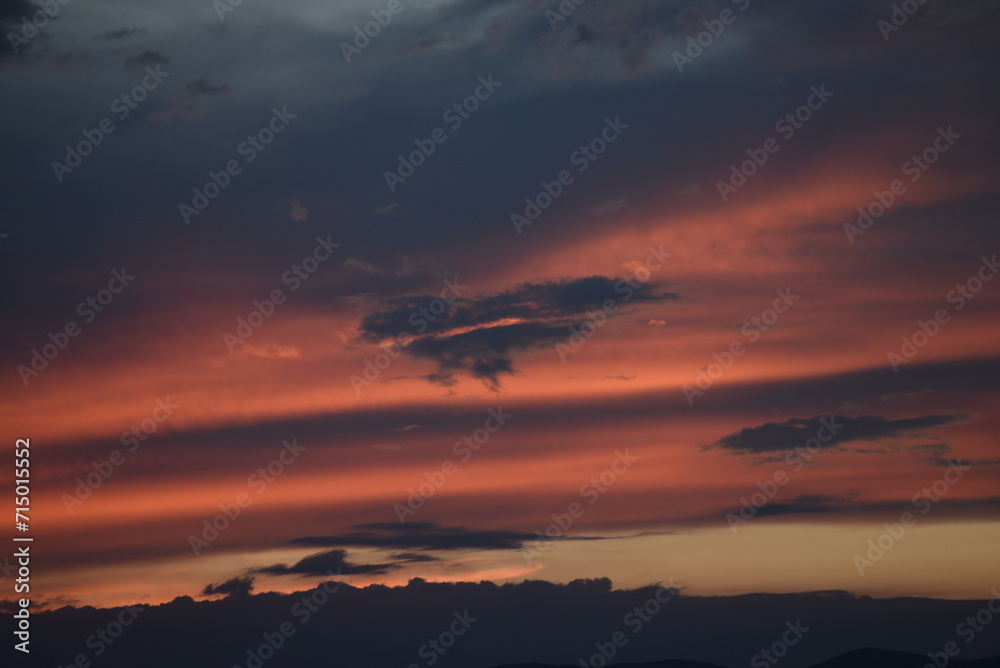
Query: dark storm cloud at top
x,y
481,335
336,154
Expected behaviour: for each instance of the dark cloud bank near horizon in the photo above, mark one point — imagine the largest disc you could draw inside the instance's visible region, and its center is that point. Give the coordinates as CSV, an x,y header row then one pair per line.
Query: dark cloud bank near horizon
x,y
534,621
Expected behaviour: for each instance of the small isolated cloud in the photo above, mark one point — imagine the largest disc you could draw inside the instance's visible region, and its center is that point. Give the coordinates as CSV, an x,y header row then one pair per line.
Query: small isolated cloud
x,y
182,112
355,264
121,33
481,336
297,211
386,210
690,190
200,86
657,323
785,436
270,351
238,586
414,557
427,44
392,447
327,563
409,427
412,265
608,207
145,59
420,536
939,454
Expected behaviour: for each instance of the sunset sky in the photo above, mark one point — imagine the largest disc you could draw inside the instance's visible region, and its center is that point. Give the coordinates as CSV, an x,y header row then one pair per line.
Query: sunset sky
x,y
616,326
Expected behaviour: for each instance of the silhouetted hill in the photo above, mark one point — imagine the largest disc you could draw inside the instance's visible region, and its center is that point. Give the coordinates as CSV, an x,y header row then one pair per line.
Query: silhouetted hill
x,y
871,657
676,663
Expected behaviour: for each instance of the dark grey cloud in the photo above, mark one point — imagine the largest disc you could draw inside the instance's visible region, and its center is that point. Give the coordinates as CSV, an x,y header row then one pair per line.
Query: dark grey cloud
x,y
414,557
145,59
849,504
238,586
422,536
119,34
332,562
940,454
550,624
200,86
20,34
481,336
838,429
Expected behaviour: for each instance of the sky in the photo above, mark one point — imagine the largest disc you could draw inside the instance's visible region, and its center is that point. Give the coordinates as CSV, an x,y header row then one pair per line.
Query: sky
x,y
468,291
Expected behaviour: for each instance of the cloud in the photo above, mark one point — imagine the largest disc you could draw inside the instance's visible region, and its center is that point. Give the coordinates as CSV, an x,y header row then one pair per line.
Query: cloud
x,y
145,59
121,33
420,535
200,86
848,504
412,265
414,557
270,351
354,264
480,336
934,454
332,562
12,15
238,586
387,209
785,436
297,211
183,112
531,620
608,207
